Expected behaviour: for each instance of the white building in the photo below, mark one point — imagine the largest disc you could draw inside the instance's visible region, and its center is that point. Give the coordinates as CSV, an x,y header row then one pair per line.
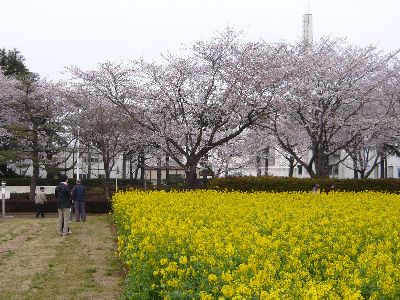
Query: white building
x,y
91,166
279,166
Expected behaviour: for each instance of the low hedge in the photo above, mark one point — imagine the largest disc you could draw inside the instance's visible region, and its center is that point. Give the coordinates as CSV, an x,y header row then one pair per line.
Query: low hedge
x,y
95,203
25,181
120,182
287,184
250,183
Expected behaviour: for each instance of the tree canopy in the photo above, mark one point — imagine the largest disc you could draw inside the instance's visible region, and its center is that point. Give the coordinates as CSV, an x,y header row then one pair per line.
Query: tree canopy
x,y
307,101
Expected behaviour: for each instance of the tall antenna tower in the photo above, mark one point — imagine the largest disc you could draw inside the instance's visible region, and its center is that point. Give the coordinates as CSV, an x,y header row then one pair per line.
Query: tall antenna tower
x,y
307,28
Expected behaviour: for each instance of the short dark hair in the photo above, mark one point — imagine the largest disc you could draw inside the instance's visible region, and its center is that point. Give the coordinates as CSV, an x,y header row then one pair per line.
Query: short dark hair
x,y
63,177
42,187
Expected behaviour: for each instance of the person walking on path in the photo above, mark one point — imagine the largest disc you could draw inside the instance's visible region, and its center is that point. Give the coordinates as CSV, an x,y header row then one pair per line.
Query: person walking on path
x,y
63,195
78,196
40,199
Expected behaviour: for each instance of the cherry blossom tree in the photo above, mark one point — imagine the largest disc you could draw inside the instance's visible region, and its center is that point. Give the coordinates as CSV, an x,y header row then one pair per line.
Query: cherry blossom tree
x,y
228,158
98,125
325,104
380,137
195,102
37,128
59,140
101,124
374,143
392,94
12,66
253,150
7,92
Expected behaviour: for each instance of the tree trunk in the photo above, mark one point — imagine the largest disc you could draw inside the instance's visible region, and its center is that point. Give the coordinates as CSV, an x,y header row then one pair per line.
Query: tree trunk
x,y
167,168
258,165
266,162
382,164
355,168
89,168
34,179
142,166
106,181
35,164
322,166
159,171
124,166
191,174
291,166
131,168
106,185
386,175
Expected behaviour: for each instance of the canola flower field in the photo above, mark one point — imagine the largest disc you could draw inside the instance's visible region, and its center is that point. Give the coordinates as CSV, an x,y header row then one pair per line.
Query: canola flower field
x,y
233,245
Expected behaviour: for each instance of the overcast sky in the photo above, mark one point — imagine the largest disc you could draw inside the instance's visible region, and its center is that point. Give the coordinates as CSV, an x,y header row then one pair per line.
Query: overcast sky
x,y
53,34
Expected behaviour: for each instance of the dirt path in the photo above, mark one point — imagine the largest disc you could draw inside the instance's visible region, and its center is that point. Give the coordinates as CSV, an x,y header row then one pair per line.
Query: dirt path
x,y
17,242
35,263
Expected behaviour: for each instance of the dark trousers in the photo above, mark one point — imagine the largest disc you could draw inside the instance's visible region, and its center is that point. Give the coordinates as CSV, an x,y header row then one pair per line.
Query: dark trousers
x,y
80,212
39,210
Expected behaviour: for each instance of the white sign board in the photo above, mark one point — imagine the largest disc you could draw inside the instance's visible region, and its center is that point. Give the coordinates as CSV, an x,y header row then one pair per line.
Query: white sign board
x,y
6,193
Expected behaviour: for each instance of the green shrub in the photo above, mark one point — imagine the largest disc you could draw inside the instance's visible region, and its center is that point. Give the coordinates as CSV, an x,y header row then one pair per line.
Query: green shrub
x,y
287,184
121,182
26,180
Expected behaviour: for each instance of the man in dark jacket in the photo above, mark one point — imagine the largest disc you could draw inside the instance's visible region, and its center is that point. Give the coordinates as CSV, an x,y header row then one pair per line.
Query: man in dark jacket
x,y
78,196
63,195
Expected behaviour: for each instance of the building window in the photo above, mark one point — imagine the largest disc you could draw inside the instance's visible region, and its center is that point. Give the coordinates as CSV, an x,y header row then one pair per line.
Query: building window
x,y
175,178
390,172
271,157
300,170
376,172
334,170
398,172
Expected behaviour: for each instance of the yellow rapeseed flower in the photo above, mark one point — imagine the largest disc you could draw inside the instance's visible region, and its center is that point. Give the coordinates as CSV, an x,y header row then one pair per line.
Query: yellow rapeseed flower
x,y
233,245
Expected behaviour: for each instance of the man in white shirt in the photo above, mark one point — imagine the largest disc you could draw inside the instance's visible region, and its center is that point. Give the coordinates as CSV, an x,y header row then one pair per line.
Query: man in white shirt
x,y
40,199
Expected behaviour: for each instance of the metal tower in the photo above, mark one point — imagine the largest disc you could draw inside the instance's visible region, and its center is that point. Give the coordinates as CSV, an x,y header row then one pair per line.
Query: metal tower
x,y
307,29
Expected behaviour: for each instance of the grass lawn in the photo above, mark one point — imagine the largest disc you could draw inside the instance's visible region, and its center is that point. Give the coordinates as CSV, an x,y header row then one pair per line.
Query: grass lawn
x,y
35,263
